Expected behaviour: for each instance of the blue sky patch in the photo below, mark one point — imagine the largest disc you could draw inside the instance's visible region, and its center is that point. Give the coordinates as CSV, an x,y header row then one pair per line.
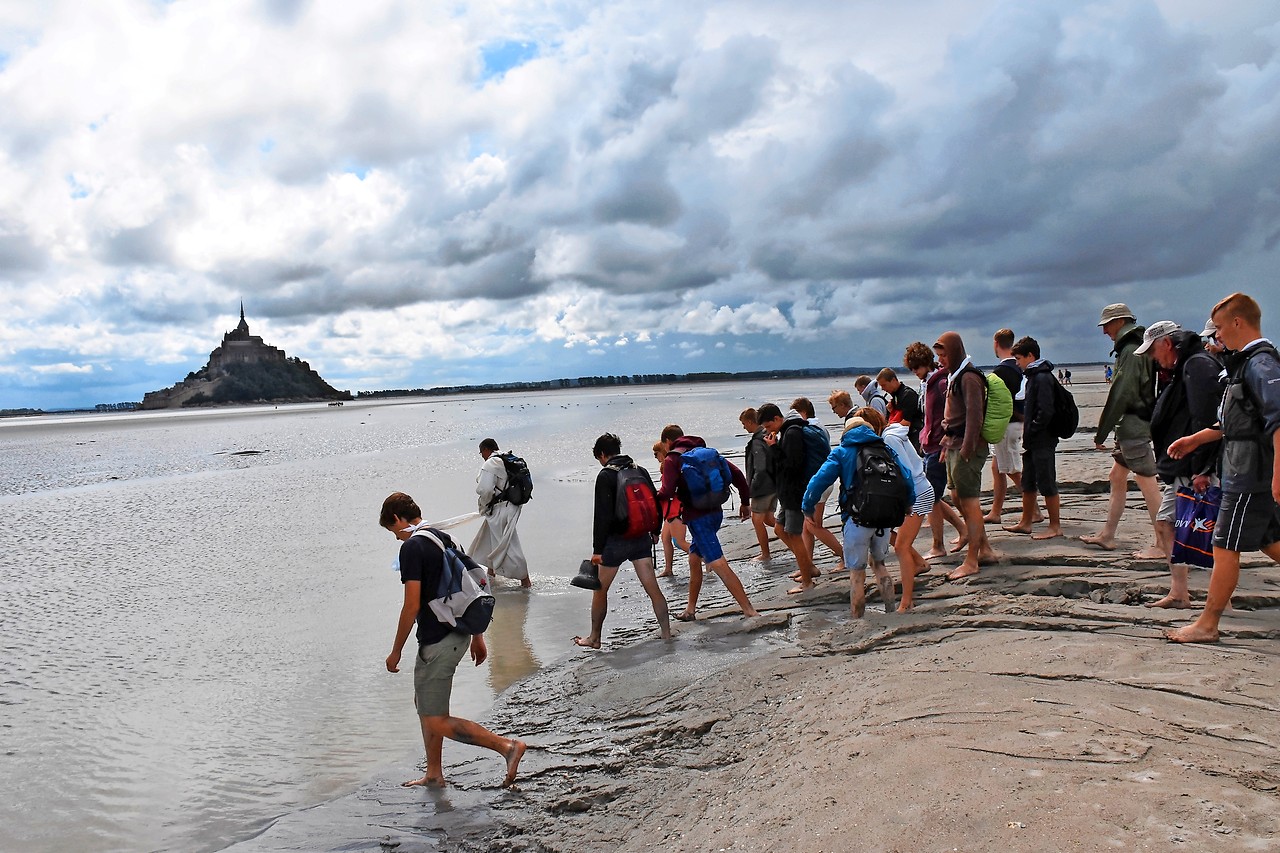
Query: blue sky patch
x,y
78,190
501,57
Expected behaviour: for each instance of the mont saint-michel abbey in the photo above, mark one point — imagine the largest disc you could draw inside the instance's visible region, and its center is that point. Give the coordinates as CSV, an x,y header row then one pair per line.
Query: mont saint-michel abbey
x,y
245,369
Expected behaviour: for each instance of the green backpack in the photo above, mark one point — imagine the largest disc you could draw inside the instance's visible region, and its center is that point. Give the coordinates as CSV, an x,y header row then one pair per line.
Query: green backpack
x,y
999,409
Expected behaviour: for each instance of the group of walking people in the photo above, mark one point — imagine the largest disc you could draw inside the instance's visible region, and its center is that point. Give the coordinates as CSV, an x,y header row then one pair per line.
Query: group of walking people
x,y
1192,412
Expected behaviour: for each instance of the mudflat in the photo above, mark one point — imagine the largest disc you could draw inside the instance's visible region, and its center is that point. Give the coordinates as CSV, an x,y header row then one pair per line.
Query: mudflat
x,y
1034,707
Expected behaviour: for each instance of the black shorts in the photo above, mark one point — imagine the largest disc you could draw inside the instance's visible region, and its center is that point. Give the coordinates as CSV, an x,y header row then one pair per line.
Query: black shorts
x,y
1040,471
1246,522
618,550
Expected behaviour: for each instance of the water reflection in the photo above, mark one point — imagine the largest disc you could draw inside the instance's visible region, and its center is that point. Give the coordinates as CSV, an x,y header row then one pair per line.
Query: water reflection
x,y
511,657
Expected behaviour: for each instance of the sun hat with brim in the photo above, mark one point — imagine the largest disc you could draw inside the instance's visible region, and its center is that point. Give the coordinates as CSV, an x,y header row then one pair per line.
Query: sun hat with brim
x,y
1116,311
1156,331
1210,330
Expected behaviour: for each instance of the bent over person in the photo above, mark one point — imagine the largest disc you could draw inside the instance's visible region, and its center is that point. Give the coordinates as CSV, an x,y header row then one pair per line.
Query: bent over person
x,y
440,647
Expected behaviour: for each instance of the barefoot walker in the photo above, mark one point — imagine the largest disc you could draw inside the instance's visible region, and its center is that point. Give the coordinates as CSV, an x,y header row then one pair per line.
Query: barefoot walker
x,y
440,648
1248,517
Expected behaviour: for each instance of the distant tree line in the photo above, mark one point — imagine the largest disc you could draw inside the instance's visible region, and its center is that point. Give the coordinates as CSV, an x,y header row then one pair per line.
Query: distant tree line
x,y
606,381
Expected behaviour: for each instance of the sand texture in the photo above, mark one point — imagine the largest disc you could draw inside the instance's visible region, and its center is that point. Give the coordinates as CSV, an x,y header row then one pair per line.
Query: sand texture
x,y
1035,708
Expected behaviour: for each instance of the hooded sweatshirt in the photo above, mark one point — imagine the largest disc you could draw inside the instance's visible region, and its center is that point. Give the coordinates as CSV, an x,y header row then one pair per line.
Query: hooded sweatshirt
x,y
842,465
789,461
1039,406
673,484
606,522
966,400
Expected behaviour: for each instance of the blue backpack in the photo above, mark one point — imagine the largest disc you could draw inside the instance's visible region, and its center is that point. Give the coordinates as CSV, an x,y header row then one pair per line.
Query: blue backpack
x,y
816,450
706,477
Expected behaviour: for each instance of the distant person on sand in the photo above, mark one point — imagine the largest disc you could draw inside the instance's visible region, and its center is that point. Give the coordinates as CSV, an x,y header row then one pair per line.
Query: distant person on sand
x,y
1006,454
440,648
896,435
1187,404
1039,442
1066,377
872,395
904,404
1249,515
611,547
964,449
861,544
920,360
758,462
791,465
703,524
817,530
673,530
1130,400
497,544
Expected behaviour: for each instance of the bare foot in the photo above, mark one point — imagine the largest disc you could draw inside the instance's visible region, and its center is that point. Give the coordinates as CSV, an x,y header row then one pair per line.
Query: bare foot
x,y
513,756
1191,634
686,616
1051,533
798,577
759,558
992,517
1039,518
425,782
905,605
966,570
1096,539
747,614
858,607
803,587
934,553
1025,531
586,642
1152,553
1171,603
988,558
667,574
959,544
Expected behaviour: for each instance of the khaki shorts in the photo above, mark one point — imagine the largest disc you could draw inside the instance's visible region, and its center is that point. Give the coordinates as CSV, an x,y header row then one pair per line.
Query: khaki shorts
x,y
964,476
433,674
1137,455
764,504
1008,450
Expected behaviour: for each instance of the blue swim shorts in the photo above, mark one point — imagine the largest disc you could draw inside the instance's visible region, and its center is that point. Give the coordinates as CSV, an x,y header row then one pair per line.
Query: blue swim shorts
x,y
703,536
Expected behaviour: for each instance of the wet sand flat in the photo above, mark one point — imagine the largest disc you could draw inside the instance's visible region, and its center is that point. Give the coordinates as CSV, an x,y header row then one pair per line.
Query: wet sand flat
x,y
1036,707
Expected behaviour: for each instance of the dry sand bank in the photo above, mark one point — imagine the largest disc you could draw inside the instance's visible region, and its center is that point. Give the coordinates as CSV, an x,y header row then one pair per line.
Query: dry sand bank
x,y
1034,708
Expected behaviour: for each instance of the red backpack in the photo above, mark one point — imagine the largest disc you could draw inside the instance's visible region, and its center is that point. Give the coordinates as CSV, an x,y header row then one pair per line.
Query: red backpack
x,y
637,502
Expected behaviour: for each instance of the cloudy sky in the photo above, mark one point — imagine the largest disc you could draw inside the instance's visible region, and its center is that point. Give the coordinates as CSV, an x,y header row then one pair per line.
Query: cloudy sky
x,y
423,193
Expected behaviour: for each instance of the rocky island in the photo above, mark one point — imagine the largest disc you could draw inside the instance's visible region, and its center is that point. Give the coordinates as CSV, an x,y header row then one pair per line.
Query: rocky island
x,y
244,369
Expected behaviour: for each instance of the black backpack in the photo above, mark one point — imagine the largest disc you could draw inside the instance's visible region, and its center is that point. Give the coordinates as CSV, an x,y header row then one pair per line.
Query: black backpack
x,y
519,481
881,496
1066,415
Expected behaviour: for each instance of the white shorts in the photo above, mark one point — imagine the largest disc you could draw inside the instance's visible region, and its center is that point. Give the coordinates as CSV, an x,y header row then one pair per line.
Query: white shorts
x,y
1008,451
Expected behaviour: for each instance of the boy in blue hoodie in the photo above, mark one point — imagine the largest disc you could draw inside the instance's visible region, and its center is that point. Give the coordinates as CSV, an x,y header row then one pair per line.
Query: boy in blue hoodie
x,y
859,542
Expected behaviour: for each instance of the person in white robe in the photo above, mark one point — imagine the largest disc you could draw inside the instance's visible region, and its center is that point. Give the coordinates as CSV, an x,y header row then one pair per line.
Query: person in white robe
x,y
497,544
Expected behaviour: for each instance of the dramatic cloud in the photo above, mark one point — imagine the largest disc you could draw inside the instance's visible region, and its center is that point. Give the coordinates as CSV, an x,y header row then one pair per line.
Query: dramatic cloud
x,y
417,194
